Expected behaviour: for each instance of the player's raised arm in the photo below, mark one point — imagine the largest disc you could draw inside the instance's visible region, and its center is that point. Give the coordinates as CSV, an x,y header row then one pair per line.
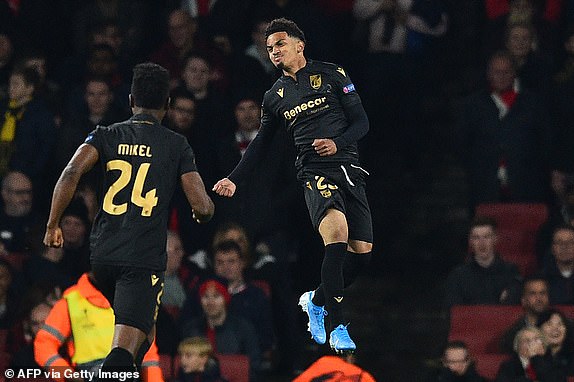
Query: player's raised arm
x,y
201,204
83,160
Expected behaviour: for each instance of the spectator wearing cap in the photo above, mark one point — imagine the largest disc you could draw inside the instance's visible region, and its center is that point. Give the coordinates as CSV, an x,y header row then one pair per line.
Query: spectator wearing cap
x,y
227,332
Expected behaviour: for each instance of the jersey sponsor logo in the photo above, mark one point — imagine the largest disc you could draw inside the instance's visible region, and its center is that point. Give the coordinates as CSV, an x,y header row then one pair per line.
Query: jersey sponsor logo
x,y
349,88
304,106
154,280
340,70
136,150
315,81
280,92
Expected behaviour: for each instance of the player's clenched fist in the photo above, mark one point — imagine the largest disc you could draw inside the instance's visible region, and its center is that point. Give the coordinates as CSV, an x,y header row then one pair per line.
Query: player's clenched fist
x,y
224,187
54,237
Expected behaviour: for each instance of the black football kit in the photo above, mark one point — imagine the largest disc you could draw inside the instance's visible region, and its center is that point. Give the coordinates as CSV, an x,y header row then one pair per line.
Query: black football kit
x,y
321,103
142,163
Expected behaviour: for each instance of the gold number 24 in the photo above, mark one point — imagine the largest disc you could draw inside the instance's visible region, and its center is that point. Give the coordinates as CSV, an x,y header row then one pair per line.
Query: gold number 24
x,y
147,202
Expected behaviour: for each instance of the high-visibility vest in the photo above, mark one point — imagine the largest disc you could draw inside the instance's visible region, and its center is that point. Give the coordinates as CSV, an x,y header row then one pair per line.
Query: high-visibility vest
x,y
92,328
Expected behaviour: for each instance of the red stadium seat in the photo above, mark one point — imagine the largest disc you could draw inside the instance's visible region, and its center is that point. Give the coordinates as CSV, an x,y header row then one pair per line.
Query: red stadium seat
x,y
234,367
487,365
517,216
481,326
518,247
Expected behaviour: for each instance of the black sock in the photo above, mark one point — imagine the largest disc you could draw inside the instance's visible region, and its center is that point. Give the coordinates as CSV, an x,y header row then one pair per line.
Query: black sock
x,y
354,264
332,280
119,360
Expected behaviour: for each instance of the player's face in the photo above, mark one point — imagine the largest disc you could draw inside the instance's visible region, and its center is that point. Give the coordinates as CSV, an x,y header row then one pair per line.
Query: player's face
x,y
284,51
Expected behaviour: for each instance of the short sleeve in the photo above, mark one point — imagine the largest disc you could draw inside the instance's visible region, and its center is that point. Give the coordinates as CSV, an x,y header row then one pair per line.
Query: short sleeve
x,y
187,158
95,138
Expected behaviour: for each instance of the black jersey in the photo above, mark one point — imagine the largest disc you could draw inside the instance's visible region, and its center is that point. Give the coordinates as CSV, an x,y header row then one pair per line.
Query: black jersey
x,y
142,163
313,107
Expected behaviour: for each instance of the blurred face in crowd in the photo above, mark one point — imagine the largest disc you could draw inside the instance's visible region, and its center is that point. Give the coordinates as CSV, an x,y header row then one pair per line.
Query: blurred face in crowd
x,y
258,34
193,361
182,114
563,246
482,242
175,252
196,74
237,236
554,330
98,97
247,114
457,360
18,89
74,231
109,35
213,304
229,265
284,50
535,296
519,41
181,29
530,342
501,74
17,194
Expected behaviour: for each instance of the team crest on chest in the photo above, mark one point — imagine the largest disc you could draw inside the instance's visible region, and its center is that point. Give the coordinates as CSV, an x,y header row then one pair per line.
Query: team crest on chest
x,y
315,81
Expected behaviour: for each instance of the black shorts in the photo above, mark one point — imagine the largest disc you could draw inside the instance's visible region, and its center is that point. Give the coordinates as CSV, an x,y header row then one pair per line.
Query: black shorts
x,y
341,188
134,293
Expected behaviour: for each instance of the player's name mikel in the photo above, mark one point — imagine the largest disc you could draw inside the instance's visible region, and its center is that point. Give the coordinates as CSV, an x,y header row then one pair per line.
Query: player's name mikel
x,y
135,150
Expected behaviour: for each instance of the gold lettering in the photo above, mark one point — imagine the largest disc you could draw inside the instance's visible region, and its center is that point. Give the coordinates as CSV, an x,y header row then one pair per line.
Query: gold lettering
x,y
136,150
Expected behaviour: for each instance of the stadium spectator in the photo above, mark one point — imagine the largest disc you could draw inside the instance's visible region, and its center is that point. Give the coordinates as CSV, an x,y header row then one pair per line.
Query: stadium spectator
x,y
558,333
486,278
19,222
228,333
457,365
528,362
535,301
247,299
503,139
559,268
197,361
27,132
